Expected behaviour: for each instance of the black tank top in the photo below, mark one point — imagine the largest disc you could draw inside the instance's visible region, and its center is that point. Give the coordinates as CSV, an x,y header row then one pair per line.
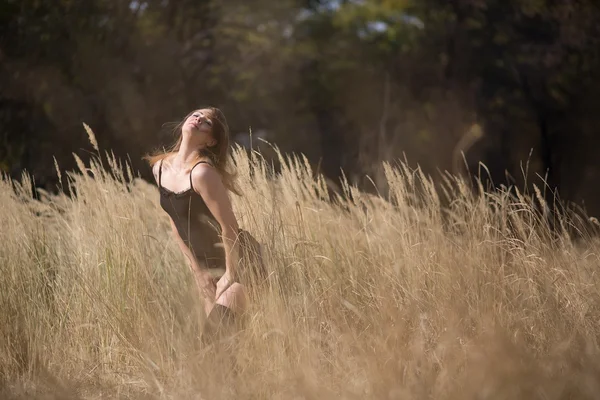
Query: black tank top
x,y
196,225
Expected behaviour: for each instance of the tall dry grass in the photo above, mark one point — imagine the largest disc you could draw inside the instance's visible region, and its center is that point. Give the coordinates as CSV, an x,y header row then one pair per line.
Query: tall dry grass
x,y
410,297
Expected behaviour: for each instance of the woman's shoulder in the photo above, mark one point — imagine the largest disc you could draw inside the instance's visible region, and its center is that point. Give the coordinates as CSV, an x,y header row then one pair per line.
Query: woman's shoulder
x,y
204,170
203,161
164,163
156,169
205,175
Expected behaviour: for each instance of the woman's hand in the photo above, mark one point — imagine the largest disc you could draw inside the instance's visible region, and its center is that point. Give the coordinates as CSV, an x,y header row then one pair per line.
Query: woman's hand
x,y
231,294
223,284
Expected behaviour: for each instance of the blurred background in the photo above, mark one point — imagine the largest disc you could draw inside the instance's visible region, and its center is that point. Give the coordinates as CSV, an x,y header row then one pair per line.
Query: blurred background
x,y
514,84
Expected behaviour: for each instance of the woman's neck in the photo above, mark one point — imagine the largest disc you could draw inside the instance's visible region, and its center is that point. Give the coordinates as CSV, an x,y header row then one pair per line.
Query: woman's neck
x,y
186,155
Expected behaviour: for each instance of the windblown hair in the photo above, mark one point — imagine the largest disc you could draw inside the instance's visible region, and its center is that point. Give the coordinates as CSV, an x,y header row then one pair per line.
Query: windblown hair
x,y
218,155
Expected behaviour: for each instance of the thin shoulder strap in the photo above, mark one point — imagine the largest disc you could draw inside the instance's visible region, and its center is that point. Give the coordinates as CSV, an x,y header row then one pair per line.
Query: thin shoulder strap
x,y
160,173
192,170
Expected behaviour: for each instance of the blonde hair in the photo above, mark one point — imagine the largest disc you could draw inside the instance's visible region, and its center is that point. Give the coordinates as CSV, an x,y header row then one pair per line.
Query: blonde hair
x,y
219,154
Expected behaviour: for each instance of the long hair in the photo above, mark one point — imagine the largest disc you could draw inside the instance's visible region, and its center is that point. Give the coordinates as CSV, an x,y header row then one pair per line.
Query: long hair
x,y
219,154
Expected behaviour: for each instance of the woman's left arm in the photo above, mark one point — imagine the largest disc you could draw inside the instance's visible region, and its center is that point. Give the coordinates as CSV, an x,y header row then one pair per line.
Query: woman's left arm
x,y
207,182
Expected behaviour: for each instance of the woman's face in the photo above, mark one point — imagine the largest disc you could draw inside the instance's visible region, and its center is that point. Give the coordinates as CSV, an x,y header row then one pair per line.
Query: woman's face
x,y
199,123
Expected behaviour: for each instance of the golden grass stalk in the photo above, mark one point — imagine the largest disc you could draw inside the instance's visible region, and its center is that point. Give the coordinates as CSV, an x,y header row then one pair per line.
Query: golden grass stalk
x,y
418,295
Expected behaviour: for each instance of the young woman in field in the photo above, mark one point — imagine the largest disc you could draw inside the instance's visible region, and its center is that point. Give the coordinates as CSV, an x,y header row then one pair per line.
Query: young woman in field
x,y
194,182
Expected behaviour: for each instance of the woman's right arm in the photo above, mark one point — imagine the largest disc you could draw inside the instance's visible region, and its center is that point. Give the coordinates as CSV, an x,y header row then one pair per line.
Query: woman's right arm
x,y
186,251
204,277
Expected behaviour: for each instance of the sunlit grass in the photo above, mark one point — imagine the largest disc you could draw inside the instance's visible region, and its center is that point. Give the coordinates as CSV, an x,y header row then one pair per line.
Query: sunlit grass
x,y
411,296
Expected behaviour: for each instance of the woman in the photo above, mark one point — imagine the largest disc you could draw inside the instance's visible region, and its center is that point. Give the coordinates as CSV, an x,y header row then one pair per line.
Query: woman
x,y
194,181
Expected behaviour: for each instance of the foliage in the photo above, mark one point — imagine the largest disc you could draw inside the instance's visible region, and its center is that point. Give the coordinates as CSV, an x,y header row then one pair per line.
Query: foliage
x,y
348,83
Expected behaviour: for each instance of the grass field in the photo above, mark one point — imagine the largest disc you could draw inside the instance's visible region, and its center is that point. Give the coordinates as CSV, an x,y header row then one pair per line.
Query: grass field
x,y
408,297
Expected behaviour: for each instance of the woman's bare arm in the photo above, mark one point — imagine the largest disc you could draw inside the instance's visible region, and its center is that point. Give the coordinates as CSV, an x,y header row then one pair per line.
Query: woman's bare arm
x,y
203,277
186,251
207,182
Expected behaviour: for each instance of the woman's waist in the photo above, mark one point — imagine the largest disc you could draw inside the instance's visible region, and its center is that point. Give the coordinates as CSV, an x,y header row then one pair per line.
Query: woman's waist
x,y
198,233
186,215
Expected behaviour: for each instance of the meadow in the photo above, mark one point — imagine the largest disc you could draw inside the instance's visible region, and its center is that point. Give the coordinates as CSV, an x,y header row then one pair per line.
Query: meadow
x,y
431,291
